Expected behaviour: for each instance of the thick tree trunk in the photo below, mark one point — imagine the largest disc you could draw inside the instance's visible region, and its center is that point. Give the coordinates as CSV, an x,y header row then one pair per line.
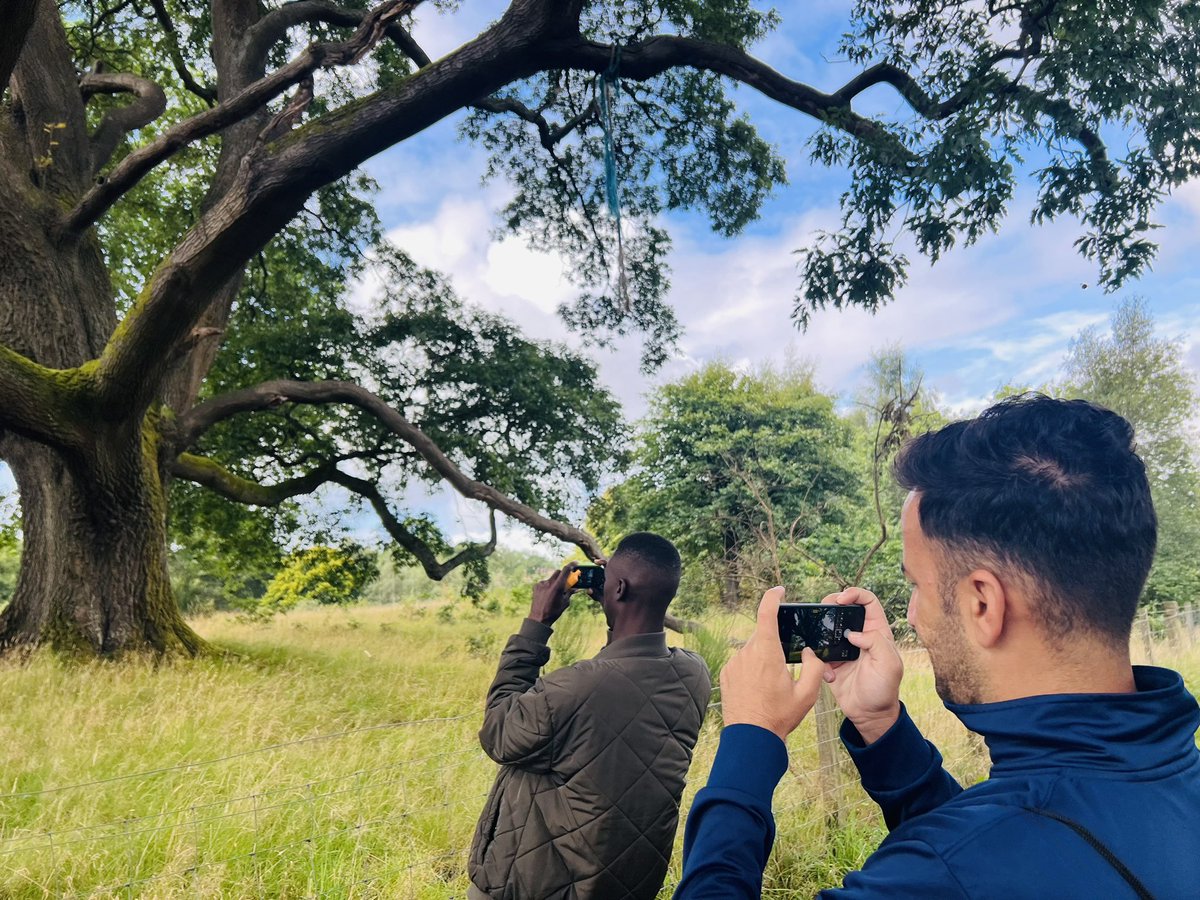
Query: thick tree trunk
x,y
93,575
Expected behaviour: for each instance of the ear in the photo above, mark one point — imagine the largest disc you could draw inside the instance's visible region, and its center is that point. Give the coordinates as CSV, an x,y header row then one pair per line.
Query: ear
x,y
621,590
985,606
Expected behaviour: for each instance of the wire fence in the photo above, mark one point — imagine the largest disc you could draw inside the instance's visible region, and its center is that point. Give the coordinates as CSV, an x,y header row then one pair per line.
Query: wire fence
x,y
401,827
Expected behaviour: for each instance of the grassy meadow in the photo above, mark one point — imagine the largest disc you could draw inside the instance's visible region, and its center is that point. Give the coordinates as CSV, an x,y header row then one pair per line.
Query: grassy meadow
x,y
332,753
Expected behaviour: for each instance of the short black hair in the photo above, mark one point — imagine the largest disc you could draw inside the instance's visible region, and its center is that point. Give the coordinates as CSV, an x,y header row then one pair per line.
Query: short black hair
x,y
1053,488
653,549
657,563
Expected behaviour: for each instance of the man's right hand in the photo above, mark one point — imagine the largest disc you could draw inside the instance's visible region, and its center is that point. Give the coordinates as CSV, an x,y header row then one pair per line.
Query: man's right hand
x,y
552,596
757,687
868,688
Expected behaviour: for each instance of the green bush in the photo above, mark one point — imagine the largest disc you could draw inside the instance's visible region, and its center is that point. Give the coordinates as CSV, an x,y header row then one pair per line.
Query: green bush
x,y
324,575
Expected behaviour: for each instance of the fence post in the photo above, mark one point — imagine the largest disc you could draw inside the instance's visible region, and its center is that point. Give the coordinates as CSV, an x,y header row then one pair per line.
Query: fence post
x,y
1143,621
828,771
1173,622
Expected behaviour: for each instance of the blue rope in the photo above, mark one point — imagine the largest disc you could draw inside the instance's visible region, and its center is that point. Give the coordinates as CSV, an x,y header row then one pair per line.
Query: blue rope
x,y
609,84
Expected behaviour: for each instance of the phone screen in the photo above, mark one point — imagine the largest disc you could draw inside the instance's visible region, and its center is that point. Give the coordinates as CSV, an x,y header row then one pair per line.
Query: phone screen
x,y
821,626
589,577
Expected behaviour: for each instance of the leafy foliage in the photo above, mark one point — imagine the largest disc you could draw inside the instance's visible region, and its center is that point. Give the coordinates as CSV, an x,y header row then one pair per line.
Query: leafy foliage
x,y
527,417
324,575
995,85
1142,376
718,453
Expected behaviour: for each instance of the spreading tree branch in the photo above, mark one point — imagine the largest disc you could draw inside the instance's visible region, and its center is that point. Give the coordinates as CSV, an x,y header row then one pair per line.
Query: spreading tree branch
x,y
273,182
36,402
151,102
647,59
139,163
273,393
212,475
274,179
204,92
411,542
207,473
273,27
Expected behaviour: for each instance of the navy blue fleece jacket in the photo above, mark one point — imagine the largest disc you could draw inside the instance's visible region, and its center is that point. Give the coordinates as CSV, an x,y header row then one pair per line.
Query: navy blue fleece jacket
x,y
1124,766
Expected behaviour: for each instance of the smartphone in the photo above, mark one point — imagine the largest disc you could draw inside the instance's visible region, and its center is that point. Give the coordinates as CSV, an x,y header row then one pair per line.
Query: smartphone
x,y
587,577
821,626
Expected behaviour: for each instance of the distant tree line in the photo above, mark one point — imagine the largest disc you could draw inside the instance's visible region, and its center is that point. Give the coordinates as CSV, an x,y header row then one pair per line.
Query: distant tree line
x,y
763,479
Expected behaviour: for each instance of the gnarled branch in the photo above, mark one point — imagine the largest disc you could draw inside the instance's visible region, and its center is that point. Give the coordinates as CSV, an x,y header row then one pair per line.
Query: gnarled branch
x,y
547,133
207,473
273,393
423,553
272,184
151,102
646,59
204,92
136,165
274,25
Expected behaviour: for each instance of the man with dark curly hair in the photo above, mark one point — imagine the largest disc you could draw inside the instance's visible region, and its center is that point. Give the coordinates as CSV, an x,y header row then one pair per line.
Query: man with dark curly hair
x,y
1028,535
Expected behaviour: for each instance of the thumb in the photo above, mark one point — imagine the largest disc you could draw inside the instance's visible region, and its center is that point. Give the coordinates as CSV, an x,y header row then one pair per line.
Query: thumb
x,y
808,685
864,640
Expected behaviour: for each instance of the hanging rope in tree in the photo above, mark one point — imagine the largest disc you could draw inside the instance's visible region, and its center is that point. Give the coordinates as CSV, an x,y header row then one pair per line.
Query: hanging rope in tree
x,y
608,87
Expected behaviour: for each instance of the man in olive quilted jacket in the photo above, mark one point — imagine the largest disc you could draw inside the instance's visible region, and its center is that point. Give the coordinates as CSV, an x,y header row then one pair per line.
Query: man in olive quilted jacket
x,y
593,756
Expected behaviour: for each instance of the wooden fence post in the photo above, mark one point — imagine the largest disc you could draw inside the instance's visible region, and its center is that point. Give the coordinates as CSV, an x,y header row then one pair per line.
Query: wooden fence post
x,y
829,773
1173,622
1143,622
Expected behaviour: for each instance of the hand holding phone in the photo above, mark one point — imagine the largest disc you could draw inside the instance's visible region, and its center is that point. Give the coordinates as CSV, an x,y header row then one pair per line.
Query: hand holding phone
x,y
868,689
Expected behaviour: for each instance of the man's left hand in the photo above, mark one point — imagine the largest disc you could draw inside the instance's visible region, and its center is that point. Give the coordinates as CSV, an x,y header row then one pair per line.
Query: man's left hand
x,y
756,686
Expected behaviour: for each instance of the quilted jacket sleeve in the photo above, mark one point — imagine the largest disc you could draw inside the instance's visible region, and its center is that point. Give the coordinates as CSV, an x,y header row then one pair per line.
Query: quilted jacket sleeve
x,y
518,720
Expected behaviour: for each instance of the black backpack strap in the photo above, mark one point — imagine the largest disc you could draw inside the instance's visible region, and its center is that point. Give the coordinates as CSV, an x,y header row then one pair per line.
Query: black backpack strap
x,y
1096,844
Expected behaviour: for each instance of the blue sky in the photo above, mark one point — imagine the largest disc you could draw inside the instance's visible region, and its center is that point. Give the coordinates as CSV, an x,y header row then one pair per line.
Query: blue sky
x,y
999,312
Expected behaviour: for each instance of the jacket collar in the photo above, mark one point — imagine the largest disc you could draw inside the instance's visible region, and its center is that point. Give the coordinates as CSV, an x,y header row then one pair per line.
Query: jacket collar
x,y
652,645
1148,729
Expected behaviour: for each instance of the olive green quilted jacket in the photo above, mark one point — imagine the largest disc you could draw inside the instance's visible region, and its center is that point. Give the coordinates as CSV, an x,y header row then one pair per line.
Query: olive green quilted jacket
x,y
593,762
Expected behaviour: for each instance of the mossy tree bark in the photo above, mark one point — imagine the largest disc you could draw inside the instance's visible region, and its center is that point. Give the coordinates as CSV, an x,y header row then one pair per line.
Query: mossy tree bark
x,y
93,576
91,408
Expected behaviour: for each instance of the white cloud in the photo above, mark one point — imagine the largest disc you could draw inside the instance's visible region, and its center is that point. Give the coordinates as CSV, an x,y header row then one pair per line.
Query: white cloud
x,y
514,270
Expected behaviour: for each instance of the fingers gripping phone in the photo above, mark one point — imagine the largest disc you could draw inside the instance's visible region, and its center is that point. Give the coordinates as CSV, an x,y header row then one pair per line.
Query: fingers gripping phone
x,y
586,577
821,626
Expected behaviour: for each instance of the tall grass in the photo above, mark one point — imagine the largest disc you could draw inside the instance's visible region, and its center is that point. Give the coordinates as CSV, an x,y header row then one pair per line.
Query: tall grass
x,y
377,812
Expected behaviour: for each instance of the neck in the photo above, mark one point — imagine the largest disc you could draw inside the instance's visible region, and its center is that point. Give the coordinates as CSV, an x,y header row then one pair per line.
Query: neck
x,y
1092,668
628,626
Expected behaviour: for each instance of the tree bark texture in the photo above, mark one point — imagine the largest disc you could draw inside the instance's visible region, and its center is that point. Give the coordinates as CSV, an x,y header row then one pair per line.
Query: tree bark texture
x,y
93,576
82,395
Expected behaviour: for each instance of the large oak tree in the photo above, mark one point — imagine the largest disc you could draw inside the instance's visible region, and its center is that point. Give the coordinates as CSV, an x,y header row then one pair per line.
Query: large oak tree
x,y
110,340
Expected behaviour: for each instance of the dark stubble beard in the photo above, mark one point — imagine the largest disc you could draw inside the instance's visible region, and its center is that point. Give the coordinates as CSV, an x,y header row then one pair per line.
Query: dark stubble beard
x,y
956,674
